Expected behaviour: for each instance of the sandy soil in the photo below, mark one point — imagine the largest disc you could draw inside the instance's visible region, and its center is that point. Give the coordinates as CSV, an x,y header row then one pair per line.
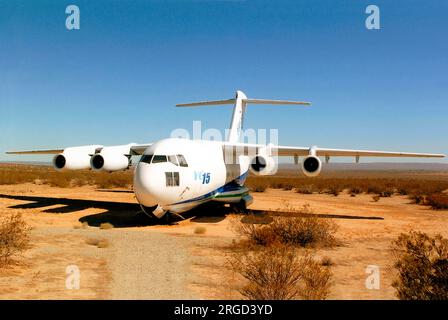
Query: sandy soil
x,y
143,260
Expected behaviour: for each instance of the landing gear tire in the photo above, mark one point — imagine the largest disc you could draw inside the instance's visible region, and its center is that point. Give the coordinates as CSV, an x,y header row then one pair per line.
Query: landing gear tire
x,y
239,207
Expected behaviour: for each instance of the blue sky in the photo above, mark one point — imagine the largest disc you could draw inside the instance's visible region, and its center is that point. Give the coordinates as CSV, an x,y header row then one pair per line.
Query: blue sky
x,y
117,79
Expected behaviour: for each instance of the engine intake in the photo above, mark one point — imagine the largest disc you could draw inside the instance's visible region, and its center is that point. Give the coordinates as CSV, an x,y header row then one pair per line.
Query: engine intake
x,y
109,162
263,165
311,166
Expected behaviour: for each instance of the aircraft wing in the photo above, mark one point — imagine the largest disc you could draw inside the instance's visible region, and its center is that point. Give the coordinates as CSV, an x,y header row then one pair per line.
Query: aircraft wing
x,y
328,152
52,151
134,149
245,149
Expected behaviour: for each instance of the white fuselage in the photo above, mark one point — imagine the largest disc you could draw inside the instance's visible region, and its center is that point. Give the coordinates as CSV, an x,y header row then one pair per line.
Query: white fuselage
x,y
177,175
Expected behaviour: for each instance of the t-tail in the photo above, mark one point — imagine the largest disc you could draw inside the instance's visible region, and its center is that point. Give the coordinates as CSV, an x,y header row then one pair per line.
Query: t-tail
x,y
240,103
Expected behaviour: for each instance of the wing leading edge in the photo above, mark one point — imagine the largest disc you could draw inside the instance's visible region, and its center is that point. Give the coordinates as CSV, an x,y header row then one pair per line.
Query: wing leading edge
x,y
135,149
244,149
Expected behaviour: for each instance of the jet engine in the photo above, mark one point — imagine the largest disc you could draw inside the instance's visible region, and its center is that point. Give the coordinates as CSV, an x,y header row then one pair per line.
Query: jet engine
x,y
311,166
109,162
263,165
114,158
75,158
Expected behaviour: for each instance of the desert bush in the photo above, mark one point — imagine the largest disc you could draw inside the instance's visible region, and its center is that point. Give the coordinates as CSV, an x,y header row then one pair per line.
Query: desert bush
x,y
376,198
279,273
290,229
386,193
14,237
437,201
422,265
259,234
355,190
200,230
316,280
333,190
288,187
100,243
304,231
418,199
326,261
106,226
307,189
258,186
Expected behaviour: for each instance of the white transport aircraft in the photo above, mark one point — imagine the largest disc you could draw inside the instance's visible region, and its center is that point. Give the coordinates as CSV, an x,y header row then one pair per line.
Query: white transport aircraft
x,y
175,175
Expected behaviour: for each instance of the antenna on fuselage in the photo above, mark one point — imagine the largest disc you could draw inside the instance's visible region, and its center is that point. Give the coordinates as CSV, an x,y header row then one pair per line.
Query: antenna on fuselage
x,y
240,102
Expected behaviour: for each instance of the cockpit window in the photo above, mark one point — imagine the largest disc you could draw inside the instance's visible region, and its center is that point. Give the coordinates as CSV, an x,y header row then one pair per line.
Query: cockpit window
x,y
173,160
158,159
146,158
182,161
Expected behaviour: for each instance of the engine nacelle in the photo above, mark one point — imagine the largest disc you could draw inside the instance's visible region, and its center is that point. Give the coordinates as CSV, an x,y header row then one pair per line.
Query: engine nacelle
x,y
114,158
109,162
311,166
263,165
74,158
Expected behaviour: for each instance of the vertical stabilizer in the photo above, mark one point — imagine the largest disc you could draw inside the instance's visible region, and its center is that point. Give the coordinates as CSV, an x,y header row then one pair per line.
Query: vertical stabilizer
x,y
236,123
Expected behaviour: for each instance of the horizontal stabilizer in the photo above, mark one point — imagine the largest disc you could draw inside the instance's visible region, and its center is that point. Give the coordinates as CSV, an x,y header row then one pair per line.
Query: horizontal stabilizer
x,y
266,101
246,101
207,103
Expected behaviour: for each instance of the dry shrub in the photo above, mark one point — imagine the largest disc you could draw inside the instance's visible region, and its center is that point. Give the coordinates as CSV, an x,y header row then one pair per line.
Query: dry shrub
x,y
317,280
304,231
106,226
333,190
355,190
258,187
386,193
14,237
290,229
307,189
376,198
326,261
438,201
200,230
100,243
279,273
259,234
422,264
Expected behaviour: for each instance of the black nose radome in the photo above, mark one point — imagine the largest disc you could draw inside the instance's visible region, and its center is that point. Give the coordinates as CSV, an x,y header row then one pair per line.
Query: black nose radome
x,y
59,161
97,161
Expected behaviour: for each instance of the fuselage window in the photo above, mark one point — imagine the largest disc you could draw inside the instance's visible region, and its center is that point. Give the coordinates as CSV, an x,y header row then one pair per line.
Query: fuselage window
x,y
158,159
182,161
173,160
146,158
172,179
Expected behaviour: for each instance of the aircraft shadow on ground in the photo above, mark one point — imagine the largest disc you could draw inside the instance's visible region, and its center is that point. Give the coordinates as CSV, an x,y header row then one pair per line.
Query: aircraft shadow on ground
x,y
122,214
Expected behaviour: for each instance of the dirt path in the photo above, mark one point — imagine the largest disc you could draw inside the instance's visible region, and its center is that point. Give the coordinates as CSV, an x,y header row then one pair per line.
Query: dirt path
x,y
148,265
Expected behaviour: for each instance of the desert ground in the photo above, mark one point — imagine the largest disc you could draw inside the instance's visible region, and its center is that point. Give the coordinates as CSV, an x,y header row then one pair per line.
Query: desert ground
x,y
143,259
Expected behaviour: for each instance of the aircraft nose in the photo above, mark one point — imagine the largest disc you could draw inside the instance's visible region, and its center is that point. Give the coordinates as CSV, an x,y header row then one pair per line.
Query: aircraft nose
x,y
144,187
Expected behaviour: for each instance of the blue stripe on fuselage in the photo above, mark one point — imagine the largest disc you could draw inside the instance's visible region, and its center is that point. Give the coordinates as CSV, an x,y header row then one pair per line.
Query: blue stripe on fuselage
x,y
230,186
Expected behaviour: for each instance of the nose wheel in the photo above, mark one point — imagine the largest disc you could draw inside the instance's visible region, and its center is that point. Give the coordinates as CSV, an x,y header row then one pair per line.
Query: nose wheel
x,y
158,213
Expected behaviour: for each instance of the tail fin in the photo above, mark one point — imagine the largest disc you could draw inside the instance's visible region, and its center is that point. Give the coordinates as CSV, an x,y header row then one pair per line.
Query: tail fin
x,y
240,101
